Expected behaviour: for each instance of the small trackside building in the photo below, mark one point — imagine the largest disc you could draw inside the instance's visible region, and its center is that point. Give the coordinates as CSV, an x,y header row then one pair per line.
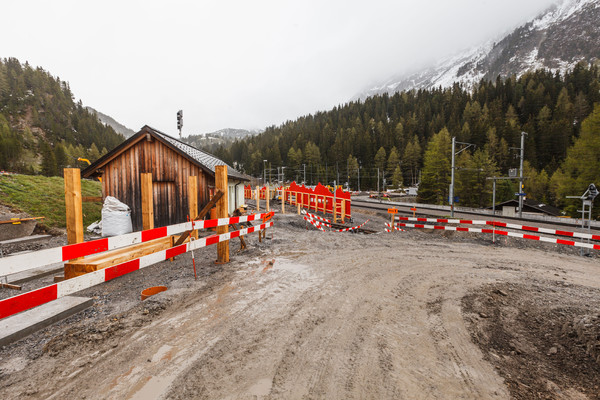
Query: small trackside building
x,y
170,162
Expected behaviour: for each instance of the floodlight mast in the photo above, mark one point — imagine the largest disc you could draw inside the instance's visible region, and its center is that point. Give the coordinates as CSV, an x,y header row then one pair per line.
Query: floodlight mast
x,y
179,121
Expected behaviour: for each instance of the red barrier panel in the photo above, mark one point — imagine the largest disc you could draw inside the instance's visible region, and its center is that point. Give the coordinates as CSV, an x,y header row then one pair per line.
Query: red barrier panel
x,y
318,199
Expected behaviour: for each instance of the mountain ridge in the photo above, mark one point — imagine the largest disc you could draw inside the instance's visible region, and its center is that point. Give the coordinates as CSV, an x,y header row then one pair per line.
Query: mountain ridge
x,y
557,39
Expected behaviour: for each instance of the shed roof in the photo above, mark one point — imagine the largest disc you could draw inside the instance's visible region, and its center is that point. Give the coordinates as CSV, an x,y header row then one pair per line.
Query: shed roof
x,y
532,205
204,160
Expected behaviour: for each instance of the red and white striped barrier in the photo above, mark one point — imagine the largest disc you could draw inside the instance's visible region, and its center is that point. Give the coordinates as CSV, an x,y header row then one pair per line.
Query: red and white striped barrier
x,y
505,225
504,233
37,297
313,216
314,223
23,262
352,228
390,228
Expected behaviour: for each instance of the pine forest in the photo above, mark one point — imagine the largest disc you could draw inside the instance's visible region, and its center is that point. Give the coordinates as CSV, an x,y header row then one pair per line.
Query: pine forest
x,y
405,138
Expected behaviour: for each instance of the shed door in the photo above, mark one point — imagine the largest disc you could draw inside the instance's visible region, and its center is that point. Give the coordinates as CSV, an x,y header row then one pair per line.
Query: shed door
x,y
164,203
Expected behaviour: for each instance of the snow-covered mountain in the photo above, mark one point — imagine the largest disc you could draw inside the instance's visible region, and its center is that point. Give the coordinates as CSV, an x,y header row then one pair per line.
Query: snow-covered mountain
x,y
559,38
222,137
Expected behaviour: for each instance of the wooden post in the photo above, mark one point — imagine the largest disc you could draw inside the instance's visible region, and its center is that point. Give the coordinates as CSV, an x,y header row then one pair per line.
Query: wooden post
x,y
222,212
283,199
257,199
147,201
73,205
267,195
343,211
193,200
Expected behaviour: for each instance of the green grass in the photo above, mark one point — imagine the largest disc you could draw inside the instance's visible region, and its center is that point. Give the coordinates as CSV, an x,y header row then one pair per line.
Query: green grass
x,y
40,196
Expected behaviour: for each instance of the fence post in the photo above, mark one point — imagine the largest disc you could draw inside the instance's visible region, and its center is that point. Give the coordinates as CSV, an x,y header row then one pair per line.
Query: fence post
x,y
257,199
283,199
267,195
147,201
343,211
222,212
73,207
193,201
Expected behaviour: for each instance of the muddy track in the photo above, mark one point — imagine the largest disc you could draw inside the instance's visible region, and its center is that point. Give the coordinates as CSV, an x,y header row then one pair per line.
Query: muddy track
x,y
336,316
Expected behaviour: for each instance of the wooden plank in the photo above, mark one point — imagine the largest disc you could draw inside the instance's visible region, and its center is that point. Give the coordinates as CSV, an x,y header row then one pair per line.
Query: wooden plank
x,y
200,215
110,258
72,177
267,196
222,212
147,201
192,188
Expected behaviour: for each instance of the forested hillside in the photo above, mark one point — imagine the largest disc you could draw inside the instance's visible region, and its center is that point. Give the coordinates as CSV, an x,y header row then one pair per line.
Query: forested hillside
x,y
407,134
42,129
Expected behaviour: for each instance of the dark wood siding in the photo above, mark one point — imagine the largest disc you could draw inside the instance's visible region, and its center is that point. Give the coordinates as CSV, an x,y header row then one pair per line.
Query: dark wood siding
x,y
170,172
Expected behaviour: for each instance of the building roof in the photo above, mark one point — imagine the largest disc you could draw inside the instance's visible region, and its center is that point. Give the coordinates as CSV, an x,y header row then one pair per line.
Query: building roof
x,y
204,160
530,205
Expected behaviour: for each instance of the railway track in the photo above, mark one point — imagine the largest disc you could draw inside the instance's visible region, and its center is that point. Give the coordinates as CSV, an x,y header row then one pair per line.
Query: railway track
x,y
423,210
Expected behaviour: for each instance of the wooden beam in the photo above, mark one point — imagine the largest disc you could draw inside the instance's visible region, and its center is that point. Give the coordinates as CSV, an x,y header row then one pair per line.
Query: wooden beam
x,y
222,212
282,199
73,205
267,195
147,201
257,199
193,199
200,215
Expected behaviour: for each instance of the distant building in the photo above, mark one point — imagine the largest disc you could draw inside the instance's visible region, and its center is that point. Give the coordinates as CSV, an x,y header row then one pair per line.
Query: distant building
x,y
509,208
170,162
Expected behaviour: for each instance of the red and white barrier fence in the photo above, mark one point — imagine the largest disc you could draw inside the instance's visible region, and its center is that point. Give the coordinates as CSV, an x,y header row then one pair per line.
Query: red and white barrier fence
x,y
317,223
390,228
37,297
504,233
314,223
581,235
320,220
23,262
352,228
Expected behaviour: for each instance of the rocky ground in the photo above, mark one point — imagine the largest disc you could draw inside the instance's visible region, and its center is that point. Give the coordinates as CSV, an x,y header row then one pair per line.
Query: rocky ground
x,y
309,314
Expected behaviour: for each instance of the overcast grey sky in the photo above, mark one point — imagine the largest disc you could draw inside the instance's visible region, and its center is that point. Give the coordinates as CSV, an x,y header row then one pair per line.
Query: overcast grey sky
x,y
240,64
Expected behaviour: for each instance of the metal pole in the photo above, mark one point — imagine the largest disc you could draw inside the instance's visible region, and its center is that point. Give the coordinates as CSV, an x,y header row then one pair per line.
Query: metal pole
x,y
452,178
359,178
265,172
377,182
521,175
494,211
304,181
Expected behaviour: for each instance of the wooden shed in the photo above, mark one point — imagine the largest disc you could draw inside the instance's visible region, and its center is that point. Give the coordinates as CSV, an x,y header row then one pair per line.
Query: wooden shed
x,y
170,162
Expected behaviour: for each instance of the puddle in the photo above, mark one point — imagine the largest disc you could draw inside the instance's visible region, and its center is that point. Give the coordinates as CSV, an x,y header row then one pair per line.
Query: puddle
x,y
162,353
261,388
151,389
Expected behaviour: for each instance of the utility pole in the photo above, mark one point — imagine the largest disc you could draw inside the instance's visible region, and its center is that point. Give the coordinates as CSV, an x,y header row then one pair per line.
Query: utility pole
x,y
452,177
377,181
359,167
521,174
265,172
454,154
304,181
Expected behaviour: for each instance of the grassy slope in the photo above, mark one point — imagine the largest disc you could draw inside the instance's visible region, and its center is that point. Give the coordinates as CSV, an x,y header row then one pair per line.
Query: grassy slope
x,y
40,196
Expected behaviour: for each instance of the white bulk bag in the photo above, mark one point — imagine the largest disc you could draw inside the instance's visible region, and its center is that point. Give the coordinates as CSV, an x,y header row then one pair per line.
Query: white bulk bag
x,y
116,217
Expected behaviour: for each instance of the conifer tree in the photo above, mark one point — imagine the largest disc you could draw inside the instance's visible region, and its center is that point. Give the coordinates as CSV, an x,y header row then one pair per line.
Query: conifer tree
x,y
436,169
